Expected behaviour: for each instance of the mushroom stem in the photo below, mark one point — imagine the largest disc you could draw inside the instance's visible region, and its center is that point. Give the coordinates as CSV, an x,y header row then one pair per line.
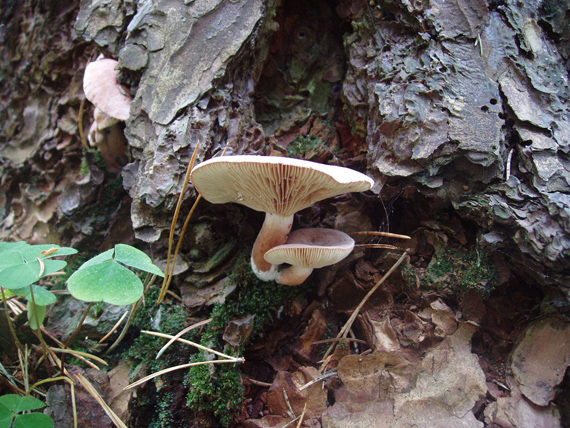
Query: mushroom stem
x,y
293,275
273,232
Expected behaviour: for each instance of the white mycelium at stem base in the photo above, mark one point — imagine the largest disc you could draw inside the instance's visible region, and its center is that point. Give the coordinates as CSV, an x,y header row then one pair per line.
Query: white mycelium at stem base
x,y
276,186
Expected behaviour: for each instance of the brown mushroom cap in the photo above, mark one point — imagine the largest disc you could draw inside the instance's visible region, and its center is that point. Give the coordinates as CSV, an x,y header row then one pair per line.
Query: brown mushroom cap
x,y
314,248
274,185
308,249
102,88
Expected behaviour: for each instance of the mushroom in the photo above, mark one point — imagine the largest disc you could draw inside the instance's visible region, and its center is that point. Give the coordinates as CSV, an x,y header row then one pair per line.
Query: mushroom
x,y
277,186
112,104
308,249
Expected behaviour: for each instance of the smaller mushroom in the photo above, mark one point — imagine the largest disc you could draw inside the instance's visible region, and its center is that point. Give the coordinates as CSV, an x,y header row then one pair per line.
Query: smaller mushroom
x,y
102,88
308,249
112,104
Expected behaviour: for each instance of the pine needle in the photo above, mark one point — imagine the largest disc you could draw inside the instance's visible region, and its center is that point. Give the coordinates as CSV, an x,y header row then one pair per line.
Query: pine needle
x,y
188,342
344,330
169,268
93,392
182,366
180,334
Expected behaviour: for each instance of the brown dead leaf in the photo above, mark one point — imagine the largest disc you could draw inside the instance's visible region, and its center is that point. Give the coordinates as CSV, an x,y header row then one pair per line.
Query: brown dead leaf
x,y
385,391
117,398
515,411
286,387
540,360
303,346
382,335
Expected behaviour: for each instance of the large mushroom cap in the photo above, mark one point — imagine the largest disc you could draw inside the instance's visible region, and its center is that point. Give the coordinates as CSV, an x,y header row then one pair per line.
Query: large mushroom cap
x,y
102,88
312,248
274,185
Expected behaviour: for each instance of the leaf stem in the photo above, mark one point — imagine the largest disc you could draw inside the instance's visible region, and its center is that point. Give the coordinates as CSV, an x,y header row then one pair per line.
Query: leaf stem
x,y
75,333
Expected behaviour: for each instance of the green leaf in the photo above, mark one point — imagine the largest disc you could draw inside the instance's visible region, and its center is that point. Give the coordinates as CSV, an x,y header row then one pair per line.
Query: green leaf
x,y
103,257
17,403
33,420
10,246
6,416
42,296
32,311
10,258
32,251
19,276
135,258
108,281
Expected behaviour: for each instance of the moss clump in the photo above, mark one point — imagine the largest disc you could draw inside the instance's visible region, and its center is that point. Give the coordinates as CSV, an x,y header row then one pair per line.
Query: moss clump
x,y
457,271
164,417
217,389
253,297
167,318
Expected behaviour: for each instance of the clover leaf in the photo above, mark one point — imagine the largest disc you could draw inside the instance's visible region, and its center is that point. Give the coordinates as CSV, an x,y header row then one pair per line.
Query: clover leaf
x,y
107,278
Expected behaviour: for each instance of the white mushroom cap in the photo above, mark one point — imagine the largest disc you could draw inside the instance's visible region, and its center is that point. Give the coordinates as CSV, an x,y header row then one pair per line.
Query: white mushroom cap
x,y
274,184
102,88
277,186
308,249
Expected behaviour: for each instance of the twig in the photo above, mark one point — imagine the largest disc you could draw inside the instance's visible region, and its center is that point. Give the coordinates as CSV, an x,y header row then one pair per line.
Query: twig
x,y
38,332
75,333
170,265
168,277
257,382
291,412
323,377
72,386
291,422
62,345
10,322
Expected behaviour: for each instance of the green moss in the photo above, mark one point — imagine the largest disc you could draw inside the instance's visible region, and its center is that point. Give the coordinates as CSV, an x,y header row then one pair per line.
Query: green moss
x,y
166,318
84,167
253,297
458,271
302,145
164,417
217,389
97,309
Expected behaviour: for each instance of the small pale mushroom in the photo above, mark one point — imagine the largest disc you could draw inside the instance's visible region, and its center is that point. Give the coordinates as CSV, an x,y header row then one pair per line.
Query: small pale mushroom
x,y
112,104
308,249
278,186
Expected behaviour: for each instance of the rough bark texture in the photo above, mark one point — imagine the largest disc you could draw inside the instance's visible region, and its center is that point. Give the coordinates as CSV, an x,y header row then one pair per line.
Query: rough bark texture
x,y
464,100
458,109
